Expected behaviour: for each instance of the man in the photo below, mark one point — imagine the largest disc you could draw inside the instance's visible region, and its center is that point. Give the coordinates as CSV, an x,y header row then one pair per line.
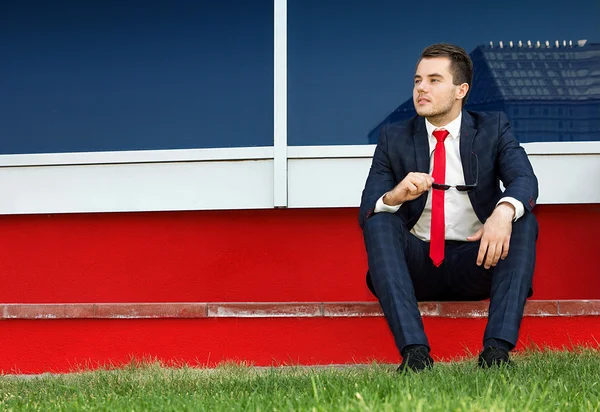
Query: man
x,y
436,224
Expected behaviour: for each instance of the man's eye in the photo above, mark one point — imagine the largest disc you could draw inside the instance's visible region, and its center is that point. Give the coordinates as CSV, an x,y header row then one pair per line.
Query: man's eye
x,y
417,81
434,80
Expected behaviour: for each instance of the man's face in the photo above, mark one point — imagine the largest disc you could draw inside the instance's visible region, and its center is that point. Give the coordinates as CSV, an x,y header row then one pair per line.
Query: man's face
x,y
434,94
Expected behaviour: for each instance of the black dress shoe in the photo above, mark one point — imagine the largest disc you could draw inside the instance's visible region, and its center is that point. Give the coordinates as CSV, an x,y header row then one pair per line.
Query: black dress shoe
x,y
493,356
416,358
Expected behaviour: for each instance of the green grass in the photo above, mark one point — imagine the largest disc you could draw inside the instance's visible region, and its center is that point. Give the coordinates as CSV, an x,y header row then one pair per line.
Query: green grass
x,y
538,380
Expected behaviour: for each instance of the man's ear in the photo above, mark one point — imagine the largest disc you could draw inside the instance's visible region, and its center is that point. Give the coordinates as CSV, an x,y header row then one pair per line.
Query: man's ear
x,y
462,91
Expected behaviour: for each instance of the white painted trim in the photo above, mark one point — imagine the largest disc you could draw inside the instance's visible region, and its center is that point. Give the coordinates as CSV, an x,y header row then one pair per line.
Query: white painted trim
x,y
280,176
249,153
561,148
240,184
338,182
331,152
137,156
360,151
137,187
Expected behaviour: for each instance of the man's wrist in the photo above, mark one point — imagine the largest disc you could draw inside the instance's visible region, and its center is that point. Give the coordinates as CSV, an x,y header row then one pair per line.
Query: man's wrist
x,y
389,200
519,208
506,210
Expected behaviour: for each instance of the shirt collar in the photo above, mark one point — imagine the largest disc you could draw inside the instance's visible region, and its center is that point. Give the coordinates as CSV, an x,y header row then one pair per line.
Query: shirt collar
x,y
453,127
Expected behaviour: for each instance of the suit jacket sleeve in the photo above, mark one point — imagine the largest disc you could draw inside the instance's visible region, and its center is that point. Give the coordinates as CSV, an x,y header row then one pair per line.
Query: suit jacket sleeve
x,y
380,180
514,168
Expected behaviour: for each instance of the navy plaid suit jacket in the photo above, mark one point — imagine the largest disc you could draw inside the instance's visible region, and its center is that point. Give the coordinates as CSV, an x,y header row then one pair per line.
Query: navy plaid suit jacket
x,y
403,147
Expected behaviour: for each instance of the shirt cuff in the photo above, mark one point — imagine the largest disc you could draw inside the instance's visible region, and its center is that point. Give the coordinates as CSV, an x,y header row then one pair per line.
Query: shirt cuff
x,y
382,207
519,208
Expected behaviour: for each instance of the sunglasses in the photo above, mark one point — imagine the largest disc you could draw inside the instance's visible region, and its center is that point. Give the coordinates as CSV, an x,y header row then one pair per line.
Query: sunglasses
x,y
460,188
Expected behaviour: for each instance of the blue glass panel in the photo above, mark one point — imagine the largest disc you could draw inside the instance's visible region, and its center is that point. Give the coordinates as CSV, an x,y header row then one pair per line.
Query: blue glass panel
x,y
100,75
351,66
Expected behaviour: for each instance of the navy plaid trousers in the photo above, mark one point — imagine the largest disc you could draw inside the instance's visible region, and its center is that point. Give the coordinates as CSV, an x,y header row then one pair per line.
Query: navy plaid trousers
x,y
401,274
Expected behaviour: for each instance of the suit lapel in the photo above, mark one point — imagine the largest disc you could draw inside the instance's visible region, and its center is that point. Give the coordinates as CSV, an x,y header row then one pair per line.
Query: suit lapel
x,y
467,136
421,142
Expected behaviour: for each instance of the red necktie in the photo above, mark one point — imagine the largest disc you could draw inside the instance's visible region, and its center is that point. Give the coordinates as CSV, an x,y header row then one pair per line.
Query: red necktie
x,y
438,226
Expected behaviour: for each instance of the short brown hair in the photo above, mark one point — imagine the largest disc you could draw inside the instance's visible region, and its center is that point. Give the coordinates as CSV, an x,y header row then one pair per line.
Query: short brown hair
x,y
461,66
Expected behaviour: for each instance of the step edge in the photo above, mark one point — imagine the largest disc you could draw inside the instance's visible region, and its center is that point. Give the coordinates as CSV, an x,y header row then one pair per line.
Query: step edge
x,y
196,310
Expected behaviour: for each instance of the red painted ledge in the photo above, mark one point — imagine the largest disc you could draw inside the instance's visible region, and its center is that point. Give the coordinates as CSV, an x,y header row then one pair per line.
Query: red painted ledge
x,y
194,310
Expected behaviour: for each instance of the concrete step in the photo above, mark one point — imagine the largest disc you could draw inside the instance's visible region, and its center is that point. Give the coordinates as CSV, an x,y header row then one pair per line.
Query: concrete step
x,y
39,338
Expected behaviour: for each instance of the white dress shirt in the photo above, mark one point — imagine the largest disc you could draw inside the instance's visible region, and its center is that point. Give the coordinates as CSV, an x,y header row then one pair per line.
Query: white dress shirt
x,y
460,218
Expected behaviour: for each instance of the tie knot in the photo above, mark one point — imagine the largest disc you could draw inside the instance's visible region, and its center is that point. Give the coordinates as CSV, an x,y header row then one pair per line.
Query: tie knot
x,y
441,134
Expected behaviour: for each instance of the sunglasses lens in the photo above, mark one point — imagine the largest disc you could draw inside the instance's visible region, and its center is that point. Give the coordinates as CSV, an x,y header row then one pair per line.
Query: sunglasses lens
x,y
465,188
441,187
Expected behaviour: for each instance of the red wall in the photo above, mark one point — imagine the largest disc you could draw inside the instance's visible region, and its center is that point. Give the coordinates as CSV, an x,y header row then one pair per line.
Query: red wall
x,y
36,346
268,255
251,255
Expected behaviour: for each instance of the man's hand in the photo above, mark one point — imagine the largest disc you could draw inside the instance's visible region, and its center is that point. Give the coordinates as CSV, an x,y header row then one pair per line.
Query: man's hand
x,y
411,187
495,235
